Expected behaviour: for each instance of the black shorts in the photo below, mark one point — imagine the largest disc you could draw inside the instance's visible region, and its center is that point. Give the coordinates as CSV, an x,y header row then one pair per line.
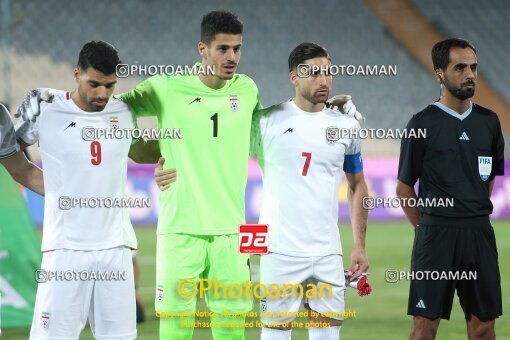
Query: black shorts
x,y
458,253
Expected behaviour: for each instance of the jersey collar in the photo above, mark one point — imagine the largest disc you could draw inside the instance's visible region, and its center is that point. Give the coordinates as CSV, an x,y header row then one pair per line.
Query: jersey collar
x,y
293,103
453,113
210,89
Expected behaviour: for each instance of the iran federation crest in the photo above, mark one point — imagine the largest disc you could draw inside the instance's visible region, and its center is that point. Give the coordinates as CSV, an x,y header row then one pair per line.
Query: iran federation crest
x,y
484,167
263,305
332,134
159,293
234,103
114,122
45,320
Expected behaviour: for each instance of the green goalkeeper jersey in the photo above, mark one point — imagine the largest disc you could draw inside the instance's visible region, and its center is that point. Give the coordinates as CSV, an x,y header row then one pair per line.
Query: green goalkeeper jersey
x,y
211,158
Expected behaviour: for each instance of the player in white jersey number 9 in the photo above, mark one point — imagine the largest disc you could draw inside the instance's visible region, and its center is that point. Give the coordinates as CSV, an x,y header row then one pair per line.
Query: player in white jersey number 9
x,y
89,238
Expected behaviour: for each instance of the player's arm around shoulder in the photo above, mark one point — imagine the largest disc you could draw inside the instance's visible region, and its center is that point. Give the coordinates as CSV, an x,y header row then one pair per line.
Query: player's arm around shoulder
x,y
30,107
145,98
31,111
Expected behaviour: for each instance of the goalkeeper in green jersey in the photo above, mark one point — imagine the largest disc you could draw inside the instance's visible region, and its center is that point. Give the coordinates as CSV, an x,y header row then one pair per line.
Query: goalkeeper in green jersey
x,y
200,213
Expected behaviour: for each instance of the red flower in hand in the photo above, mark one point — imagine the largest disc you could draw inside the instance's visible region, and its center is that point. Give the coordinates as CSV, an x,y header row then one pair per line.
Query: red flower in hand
x,y
363,286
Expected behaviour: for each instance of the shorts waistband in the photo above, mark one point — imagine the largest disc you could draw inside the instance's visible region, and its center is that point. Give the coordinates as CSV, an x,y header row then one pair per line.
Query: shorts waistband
x,y
476,221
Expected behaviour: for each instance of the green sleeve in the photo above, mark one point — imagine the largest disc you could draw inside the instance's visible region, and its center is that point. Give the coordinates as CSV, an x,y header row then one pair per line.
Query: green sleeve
x,y
144,99
255,138
135,124
256,134
259,106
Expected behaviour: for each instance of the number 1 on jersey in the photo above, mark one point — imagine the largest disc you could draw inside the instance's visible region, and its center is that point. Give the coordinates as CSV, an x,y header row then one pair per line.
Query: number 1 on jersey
x,y
214,118
308,158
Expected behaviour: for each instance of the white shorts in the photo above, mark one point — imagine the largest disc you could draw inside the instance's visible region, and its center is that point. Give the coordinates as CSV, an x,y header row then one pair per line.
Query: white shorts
x,y
97,284
318,271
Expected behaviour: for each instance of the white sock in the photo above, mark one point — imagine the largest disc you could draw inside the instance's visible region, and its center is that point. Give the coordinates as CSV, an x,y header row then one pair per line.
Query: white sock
x,y
275,334
324,333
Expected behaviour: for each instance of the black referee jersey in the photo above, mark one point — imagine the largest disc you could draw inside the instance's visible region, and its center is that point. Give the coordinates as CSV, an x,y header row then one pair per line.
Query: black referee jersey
x,y
458,157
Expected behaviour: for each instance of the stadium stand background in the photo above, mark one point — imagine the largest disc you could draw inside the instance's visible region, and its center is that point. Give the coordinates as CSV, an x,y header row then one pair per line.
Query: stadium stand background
x,y
40,44
487,29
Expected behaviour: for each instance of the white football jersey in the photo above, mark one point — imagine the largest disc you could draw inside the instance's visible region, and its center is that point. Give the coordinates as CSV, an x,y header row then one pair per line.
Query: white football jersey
x,y
75,168
302,155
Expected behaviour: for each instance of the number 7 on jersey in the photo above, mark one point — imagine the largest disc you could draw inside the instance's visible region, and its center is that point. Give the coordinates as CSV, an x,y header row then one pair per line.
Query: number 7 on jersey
x,y
308,158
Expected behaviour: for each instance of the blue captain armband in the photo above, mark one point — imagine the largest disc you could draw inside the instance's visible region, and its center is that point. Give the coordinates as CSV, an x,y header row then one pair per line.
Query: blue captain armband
x,y
353,163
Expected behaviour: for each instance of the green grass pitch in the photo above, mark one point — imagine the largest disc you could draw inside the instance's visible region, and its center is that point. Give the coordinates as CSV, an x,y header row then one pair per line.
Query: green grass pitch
x,y
381,315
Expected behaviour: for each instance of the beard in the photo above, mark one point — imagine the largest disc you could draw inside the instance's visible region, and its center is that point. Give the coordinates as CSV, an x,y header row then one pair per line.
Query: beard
x,y
91,107
95,108
461,92
314,97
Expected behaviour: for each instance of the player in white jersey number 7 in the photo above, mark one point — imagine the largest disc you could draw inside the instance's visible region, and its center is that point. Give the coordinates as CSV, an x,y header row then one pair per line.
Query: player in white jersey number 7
x,y
302,170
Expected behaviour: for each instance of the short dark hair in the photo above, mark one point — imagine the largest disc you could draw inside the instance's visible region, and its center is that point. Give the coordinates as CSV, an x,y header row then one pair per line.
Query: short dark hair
x,y
217,22
441,51
305,51
100,55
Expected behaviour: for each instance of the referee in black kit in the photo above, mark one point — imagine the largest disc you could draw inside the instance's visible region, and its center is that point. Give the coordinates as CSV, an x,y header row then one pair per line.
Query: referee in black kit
x,y
459,159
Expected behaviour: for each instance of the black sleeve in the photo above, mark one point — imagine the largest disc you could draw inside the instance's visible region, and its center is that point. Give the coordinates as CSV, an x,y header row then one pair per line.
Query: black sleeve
x,y
412,153
497,153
